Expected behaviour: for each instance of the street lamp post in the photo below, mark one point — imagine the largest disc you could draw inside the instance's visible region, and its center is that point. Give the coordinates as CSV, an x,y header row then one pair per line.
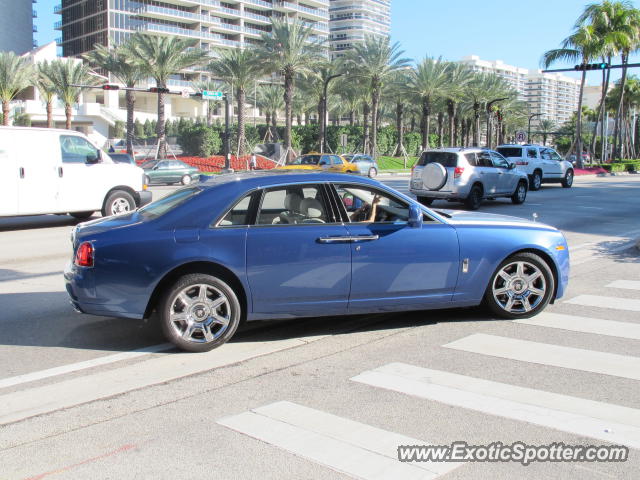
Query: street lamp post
x,y
227,136
529,127
323,120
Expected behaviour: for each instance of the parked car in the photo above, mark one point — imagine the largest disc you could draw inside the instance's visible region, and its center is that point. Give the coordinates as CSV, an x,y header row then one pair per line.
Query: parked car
x,y
321,161
468,175
60,171
122,158
365,163
541,164
264,245
586,158
169,171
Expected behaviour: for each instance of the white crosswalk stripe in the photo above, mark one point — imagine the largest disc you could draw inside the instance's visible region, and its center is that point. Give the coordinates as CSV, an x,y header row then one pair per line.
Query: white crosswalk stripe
x,y
341,444
614,303
552,355
592,419
584,324
625,284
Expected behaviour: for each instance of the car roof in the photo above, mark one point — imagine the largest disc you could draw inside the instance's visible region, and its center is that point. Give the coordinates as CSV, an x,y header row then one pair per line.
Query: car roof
x,y
458,149
266,178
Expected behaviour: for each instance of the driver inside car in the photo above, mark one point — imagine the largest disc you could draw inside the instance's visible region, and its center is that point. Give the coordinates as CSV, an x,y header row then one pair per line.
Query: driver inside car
x,y
366,213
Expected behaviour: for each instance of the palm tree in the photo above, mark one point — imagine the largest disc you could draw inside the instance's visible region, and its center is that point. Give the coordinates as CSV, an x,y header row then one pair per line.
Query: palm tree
x,y
583,46
290,50
211,86
119,62
46,88
240,69
15,76
545,128
459,76
401,97
69,77
428,82
161,57
375,60
270,102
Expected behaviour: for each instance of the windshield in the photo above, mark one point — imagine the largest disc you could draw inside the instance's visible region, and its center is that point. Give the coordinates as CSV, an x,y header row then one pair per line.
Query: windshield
x,y
510,151
160,207
446,159
150,164
348,158
306,160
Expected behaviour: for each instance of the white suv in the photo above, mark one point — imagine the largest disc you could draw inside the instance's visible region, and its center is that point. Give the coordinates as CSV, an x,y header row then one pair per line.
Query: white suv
x,y
541,164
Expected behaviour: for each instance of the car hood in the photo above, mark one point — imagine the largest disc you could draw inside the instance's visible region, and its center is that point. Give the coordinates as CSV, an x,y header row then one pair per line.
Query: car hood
x,y
460,217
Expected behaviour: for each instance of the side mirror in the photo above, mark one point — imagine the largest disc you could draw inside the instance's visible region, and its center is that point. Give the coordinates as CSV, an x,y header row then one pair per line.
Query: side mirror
x,y
415,216
92,159
512,166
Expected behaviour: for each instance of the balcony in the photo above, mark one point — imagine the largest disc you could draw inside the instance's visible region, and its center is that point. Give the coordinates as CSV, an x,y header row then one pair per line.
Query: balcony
x,y
260,3
57,25
163,12
256,17
57,9
156,28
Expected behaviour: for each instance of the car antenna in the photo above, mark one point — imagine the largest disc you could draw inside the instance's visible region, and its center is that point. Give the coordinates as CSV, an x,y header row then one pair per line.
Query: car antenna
x,y
535,216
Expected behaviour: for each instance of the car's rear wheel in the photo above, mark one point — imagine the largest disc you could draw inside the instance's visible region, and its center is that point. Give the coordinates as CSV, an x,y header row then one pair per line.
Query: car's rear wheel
x,y
199,313
425,201
473,201
521,287
185,180
520,195
536,181
372,172
567,181
117,203
81,215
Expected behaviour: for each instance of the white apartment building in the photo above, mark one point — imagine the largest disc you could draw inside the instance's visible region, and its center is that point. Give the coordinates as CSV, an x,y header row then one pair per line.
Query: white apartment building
x,y
16,26
552,95
351,20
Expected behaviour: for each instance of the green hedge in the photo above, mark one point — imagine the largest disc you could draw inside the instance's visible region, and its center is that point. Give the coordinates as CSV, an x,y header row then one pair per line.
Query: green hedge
x,y
624,166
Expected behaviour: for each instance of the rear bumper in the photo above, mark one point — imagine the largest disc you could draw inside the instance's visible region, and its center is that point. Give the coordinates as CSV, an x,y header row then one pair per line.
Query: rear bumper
x,y
458,193
142,198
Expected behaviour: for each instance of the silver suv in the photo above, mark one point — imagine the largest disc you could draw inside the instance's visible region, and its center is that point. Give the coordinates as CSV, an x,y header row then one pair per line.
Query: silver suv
x,y
468,175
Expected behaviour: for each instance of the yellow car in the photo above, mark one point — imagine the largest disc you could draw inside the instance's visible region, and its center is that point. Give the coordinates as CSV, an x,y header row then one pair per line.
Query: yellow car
x,y
321,161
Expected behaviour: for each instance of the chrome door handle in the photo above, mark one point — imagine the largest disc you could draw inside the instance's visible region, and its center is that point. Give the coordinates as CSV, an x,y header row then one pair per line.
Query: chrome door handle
x,y
366,238
335,239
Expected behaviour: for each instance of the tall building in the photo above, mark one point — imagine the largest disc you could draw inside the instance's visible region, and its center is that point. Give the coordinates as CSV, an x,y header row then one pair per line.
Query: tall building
x,y
351,20
16,25
552,95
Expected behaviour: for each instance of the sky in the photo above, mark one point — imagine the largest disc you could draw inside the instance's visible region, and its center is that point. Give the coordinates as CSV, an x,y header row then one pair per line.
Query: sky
x,y
517,32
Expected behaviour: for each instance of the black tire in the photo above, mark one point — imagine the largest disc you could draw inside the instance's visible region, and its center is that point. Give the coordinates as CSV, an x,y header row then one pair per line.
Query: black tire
x,y
473,201
426,201
535,183
186,179
147,180
81,215
567,181
520,194
231,311
118,202
546,279
373,172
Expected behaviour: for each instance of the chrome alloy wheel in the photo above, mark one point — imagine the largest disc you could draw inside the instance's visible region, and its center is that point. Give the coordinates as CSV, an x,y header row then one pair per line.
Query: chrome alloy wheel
x,y
522,192
119,206
519,287
200,313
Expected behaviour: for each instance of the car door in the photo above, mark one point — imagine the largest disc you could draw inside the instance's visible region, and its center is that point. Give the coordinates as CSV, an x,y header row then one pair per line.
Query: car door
x,y
488,173
10,175
337,165
298,255
547,163
555,164
325,162
506,179
395,266
162,172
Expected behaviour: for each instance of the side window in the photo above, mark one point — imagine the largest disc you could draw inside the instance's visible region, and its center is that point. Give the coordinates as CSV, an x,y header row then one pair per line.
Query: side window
x,y
471,159
336,160
484,160
324,160
545,154
498,160
239,214
365,204
554,155
76,149
293,205
532,153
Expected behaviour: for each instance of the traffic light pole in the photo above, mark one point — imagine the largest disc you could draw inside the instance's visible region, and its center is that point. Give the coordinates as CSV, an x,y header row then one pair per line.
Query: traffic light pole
x,y
574,69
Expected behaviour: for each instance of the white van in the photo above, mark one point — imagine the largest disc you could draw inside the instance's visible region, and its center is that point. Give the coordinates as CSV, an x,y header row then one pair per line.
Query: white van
x,y
45,170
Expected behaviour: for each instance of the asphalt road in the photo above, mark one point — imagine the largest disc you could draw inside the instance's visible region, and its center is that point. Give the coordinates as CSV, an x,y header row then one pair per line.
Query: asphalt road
x,y
98,397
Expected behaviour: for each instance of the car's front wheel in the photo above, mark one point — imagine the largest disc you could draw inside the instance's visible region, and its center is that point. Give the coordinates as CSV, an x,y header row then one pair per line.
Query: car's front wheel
x,y
520,195
186,179
567,181
521,287
147,180
199,313
117,203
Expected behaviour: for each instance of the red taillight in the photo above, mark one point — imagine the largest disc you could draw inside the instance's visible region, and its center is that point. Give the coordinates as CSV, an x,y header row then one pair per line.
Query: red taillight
x,y
458,172
522,163
84,255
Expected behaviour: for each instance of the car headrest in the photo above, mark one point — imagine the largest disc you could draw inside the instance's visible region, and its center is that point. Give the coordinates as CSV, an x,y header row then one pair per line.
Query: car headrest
x,y
292,202
312,208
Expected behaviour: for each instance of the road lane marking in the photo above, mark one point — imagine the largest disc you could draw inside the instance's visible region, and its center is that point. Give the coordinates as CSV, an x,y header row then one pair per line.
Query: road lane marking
x,y
615,303
26,403
603,421
346,446
74,367
552,355
584,324
625,284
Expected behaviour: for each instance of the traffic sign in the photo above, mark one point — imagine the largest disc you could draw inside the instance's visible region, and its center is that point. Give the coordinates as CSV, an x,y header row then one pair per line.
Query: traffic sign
x,y
521,136
206,94
185,93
